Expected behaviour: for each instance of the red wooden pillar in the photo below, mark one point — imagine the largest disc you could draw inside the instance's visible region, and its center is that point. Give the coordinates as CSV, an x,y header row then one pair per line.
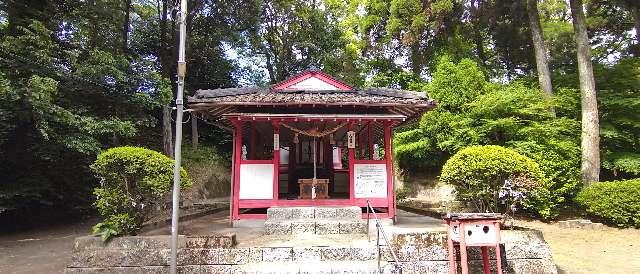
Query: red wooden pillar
x,y
276,158
370,139
352,159
389,163
236,169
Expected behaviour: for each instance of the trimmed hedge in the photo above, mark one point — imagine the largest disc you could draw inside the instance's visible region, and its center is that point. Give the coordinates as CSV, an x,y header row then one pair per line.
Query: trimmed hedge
x,y
479,172
617,202
133,182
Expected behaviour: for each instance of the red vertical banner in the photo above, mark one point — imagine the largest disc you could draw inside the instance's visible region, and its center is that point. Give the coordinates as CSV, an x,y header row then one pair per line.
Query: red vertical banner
x,y
236,169
389,163
352,158
276,157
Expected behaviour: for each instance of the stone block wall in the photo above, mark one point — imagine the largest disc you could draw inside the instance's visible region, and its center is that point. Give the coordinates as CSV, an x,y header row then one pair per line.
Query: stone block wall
x,y
525,252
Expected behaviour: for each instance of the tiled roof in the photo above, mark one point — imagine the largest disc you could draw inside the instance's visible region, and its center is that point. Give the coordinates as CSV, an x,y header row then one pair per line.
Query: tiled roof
x,y
372,96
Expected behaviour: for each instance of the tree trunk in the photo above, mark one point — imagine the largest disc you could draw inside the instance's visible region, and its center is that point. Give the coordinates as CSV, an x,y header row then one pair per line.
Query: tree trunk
x,y
590,125
477,34
164,55
542,63
416,59
636,16
194,132
167,133
125,25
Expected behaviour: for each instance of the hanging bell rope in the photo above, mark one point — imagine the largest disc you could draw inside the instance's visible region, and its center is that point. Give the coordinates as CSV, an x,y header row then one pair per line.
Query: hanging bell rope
x,y
314,132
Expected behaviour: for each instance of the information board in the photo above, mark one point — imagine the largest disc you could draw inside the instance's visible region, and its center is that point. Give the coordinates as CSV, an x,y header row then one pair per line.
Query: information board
x,y
256,181
370,180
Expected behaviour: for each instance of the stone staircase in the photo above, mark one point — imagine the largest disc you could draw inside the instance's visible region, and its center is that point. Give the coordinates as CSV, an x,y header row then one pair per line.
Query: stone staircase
x,y
525,252
314,220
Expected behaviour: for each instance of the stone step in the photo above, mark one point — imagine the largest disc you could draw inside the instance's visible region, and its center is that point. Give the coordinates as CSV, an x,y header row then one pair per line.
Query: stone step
x,y
105,258
255,268
315,226
318,267
286,213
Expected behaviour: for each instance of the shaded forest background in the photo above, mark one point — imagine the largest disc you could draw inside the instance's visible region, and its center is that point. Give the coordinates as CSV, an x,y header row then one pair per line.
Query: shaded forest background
x,y
77,77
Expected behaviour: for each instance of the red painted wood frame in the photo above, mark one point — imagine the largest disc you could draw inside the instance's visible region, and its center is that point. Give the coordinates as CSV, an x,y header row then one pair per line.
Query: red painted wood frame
x,y
276,158
352,160
388,202
387,157
236,169
464,266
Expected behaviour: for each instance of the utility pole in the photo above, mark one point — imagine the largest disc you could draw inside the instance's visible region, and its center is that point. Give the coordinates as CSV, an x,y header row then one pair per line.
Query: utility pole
x,y
182,67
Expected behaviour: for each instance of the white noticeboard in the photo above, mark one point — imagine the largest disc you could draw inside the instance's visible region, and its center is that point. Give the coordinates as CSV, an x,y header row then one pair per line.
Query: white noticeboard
x,y
370,180
256,181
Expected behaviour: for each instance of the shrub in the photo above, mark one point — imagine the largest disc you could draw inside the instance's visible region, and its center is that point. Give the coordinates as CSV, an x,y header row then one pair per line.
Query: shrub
x,y
618,202
479,173
133,181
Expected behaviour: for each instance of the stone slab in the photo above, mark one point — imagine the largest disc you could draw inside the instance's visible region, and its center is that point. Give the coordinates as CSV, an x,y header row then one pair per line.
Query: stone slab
x,y
279,213
307,226
127,242
324,227
349,253
353,227
211,241
307,254
277,227
302,213
213,256
277,254
350,212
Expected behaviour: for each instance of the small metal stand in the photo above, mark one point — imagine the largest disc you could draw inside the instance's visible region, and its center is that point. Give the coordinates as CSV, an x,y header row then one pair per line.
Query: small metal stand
x,y
473,229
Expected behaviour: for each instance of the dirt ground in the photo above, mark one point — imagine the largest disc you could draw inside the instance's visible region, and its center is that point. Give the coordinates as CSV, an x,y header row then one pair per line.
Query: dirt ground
x,y
610,250
44,249
47,249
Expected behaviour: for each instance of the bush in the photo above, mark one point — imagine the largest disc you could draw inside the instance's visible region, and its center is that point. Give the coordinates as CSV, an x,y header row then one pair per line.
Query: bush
x,y
618,202
479,173
133,181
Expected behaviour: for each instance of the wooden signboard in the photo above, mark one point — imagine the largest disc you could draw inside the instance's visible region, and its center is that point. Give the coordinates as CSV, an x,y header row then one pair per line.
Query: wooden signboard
x,y
370,180
351,139
256,181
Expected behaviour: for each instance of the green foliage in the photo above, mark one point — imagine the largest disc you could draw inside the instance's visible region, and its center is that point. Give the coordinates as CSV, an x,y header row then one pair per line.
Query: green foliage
x,y
619,100
208,168
478,173
133,181
477,112
115,225
456,84
618,202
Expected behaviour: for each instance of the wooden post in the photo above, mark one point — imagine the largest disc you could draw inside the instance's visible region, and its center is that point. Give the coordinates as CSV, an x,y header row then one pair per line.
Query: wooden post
x,y
252,142
498,256
485,260
194,132
237,162
276,158
389,164
352,159
452,259
463,249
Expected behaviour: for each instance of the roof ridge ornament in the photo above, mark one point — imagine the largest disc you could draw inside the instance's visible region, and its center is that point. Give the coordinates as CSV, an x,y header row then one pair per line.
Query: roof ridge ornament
x,y
312,80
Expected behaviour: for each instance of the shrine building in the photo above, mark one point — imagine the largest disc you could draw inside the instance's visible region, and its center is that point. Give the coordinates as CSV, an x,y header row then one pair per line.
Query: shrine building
x,y
310,140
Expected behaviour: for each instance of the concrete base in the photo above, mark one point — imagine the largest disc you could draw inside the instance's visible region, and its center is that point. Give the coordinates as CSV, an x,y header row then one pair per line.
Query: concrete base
x,y
314,220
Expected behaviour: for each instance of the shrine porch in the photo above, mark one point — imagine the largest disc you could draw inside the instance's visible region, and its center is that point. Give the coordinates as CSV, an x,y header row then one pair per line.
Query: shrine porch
x,y
311,160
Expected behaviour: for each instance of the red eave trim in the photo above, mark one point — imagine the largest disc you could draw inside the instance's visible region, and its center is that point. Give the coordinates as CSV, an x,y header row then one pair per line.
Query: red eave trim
x,y
285,85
